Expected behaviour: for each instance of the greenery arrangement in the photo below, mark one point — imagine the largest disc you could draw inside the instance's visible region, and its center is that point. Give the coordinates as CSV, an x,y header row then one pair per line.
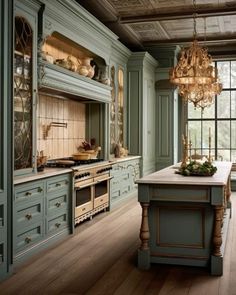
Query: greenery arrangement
x,y
195,168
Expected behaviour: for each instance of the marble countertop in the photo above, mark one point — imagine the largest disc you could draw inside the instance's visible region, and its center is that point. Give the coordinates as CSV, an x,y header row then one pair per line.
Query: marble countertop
x,y
123,159
168,176
49,172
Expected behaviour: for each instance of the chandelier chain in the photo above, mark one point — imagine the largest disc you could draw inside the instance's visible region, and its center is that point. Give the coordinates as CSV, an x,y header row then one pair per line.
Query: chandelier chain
x,y
194,20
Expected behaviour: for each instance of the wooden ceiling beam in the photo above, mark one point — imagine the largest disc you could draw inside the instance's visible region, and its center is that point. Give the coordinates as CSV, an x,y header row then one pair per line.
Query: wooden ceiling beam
x,y
215,40
184,14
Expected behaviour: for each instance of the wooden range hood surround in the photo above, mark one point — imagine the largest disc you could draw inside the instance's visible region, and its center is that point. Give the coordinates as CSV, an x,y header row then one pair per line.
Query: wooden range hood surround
x,y
59,80
78,34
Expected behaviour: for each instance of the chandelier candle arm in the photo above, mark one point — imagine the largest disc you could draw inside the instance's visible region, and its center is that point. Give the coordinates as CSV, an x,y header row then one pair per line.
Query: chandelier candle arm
x,y
209,158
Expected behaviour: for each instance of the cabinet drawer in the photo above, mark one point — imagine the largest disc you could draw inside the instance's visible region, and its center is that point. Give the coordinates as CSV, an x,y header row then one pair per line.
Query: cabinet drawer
x,y
57,184
57,223
29,192
27,215
100,200
125,190
125,177
57,203
115,193
29,236
83,209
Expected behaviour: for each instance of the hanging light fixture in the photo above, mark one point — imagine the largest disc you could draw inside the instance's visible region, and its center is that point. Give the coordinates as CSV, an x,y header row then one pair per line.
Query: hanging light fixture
x,y
194,74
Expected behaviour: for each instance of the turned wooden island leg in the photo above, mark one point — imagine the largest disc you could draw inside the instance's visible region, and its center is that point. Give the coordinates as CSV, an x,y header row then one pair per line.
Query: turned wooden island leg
x,y
216,257
228,194
144,250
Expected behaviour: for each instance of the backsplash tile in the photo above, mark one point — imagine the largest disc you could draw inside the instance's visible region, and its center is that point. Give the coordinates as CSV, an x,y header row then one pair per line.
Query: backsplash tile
x,y
57,142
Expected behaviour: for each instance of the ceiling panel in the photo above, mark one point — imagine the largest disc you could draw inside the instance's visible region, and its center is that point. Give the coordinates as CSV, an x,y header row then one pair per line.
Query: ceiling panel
x,y
143,23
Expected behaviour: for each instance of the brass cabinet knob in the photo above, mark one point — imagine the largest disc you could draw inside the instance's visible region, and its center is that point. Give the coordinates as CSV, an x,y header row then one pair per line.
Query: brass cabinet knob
x,y
28,240
40,189
58,204
28,216
57,224
28,193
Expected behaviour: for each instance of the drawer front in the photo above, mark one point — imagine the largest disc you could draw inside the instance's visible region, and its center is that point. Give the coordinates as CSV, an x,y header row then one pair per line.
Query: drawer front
x,y
115,194
125,177
29,237
83,209
100,200
58,184
125,190
56,203
27,215
56,224
29,192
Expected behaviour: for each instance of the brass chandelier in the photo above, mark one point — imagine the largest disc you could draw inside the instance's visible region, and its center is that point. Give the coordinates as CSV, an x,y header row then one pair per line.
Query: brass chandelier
x,y
194,74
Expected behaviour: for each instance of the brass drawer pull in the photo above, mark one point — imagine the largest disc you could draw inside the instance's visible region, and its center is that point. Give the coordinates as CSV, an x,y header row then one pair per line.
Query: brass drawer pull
x,y
28,240
28,194
83,209
58,204
40,189
28,216
57,224
101,200
58,184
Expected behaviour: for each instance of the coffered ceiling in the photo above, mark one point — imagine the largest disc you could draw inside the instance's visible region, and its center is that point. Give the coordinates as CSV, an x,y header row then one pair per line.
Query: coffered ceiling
x,y
141,24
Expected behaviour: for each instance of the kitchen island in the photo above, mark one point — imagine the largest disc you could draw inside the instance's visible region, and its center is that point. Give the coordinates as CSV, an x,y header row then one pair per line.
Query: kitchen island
x,y
184,218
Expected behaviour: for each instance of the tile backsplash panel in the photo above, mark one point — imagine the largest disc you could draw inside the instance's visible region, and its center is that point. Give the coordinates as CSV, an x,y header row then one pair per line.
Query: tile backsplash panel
x,y
60,141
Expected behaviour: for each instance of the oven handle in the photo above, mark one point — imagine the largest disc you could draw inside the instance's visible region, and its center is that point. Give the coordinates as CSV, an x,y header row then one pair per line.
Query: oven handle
x,y
104,179
85,185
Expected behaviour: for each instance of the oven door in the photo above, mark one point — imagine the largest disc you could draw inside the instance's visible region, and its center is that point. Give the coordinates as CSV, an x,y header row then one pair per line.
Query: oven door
x,y
83,191
101,190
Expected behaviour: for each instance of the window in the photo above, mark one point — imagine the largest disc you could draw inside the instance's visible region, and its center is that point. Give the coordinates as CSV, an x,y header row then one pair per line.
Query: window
x,y
218,120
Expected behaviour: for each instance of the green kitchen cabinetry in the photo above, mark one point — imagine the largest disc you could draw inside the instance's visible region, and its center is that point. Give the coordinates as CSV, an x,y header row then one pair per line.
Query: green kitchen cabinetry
x,y
118,106
42,210
169,113
124,172
25,85
141,109
6,16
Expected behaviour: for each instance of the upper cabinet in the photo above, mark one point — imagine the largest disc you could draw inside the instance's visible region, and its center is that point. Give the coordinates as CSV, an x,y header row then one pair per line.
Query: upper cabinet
x,y
25,84
118,106
142,109
74,52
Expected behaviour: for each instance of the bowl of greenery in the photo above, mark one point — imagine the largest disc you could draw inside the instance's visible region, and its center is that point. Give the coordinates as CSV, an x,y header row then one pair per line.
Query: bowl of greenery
x,y
194,168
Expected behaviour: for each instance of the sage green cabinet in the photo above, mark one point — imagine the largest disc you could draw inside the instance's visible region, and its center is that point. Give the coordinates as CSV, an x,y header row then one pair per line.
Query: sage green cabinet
x,y
6,17
42,211
122,184
141,109
25,85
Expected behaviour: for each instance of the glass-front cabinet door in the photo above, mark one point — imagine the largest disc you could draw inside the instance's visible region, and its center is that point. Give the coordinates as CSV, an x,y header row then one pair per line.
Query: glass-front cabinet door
x,y
117,108
23,94
24,83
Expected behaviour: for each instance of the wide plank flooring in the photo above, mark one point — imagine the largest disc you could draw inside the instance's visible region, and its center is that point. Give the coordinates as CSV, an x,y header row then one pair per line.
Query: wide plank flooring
x,y
101,258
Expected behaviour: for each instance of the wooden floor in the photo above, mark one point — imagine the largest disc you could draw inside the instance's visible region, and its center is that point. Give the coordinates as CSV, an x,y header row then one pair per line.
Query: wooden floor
x,y
101,257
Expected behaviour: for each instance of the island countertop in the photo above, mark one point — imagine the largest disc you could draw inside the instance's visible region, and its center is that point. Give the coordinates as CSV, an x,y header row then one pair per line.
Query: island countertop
x,y
168,176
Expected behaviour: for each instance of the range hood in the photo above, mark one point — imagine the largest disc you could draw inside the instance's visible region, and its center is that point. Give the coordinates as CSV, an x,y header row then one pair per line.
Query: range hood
x,y
56,79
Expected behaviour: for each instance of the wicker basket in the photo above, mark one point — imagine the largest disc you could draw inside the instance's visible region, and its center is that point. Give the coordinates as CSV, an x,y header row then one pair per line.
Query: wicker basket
x,y
81,156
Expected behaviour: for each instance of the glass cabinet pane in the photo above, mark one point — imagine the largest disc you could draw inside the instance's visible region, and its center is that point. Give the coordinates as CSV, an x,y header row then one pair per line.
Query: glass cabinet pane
x,y
23,94
120,107
113,111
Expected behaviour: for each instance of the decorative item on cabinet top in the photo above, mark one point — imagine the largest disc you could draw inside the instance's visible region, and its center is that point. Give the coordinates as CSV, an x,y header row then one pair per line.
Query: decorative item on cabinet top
x,y
64,52
75,70
85,68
